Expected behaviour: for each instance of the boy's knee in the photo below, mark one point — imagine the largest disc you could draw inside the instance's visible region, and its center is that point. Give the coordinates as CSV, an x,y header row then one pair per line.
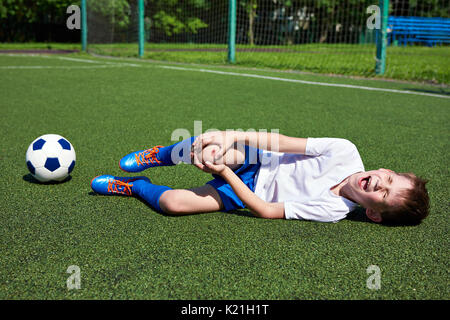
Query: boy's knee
x,y
209,154
172,202
233,158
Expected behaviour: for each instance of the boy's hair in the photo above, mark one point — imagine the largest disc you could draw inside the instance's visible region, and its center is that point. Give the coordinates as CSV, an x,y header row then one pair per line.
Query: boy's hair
x,y
414,207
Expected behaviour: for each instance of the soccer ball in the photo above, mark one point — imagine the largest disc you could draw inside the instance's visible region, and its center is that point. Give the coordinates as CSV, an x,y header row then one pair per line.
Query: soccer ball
x,y
50,158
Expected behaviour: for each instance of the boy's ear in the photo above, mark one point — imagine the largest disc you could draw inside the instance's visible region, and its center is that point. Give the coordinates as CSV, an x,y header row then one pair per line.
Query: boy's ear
x,y
373,215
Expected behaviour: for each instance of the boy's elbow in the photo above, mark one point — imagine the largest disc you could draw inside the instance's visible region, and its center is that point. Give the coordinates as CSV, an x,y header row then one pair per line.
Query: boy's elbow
x,y
270,213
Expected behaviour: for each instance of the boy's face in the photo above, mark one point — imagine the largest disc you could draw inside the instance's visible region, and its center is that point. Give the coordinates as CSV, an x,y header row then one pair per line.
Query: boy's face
x,y
377,190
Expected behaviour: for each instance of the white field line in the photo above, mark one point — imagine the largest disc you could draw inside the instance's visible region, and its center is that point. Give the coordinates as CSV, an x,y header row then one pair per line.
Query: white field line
x,y
78,60
24,55
95,61
308,82
123,64
100,66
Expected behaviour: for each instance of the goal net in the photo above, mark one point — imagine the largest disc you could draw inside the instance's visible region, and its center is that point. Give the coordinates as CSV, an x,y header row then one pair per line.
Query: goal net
x,y
324,36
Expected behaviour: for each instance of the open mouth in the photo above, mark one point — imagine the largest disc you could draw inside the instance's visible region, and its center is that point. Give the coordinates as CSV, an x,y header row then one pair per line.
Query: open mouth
x,y
364,183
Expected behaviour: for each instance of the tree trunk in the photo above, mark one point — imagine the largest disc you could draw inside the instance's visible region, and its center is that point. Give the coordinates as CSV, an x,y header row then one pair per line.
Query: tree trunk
x,y
251,18
324,35
324,32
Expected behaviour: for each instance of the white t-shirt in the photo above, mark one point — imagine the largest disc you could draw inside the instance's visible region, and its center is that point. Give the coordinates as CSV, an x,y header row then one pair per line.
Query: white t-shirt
x,y
303,182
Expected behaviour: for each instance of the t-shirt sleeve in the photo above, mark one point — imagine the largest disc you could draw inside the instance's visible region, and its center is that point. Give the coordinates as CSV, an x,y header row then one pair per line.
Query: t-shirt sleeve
x,y
320,213
328,146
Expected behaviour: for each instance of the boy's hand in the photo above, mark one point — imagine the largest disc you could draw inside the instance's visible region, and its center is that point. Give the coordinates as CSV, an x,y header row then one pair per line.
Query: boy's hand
x,y
214,168
206,166
224,139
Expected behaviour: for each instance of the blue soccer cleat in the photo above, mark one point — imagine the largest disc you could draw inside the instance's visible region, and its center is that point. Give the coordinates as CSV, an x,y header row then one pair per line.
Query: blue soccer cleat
x,y
111,185
140,160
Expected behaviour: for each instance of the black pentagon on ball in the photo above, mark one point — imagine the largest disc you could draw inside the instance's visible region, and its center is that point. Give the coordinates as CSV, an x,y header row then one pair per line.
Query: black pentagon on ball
x,y
37,145
31,167
72,165
52,164
64,144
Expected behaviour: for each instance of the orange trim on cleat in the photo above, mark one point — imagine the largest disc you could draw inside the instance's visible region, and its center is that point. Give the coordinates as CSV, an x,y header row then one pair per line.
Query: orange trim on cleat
x,y
120,187
147,156
111,185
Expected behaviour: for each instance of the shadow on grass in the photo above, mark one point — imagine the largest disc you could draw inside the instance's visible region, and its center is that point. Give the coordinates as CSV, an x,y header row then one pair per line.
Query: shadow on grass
x,y
440,91
30,179
94,194
358,215
242,213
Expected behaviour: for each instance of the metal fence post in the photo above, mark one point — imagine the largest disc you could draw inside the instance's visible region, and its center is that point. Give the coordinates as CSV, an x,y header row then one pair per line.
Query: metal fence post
x,y
380,66
141,28
232,31
83,26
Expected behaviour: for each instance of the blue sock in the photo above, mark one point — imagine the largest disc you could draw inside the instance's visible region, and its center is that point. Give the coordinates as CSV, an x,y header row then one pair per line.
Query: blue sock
x,y
176,153
149,192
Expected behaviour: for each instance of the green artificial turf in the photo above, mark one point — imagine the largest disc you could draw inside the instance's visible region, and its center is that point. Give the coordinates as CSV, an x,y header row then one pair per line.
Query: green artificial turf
x,y
403,63
411,63
125,250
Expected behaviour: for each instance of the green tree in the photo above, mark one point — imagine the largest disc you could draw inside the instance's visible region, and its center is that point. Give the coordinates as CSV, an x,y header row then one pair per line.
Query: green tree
x,y
422,8
327,16
117,11
29,11
178,16
18,17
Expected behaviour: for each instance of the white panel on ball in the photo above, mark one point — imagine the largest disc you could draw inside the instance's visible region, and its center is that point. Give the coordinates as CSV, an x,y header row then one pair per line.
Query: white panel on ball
x,y
43,175
66,157
52,149
60,174
37,157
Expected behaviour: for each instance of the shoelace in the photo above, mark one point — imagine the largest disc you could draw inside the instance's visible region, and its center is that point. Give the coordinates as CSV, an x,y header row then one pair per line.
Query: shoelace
x,y
117,186
147,156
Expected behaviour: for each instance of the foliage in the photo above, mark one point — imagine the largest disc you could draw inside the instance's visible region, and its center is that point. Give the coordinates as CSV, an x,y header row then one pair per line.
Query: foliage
x,y
422,8
19,18
117,11
178,16
29,11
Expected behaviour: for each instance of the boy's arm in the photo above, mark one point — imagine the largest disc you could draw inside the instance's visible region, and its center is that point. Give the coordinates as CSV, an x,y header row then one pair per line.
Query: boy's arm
x,y
272,141
257,206
261,140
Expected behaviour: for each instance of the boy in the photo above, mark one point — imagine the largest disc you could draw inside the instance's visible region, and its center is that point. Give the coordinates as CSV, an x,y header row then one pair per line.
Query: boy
x,y
275,177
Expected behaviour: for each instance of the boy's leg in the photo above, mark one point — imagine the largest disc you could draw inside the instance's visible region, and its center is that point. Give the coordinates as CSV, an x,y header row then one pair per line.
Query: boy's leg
x,y
176,153
181,201
189,201
160,198
157,156
186,201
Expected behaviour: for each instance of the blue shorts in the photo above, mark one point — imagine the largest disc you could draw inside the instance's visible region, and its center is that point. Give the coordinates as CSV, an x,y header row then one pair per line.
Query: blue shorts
x,y
246,172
